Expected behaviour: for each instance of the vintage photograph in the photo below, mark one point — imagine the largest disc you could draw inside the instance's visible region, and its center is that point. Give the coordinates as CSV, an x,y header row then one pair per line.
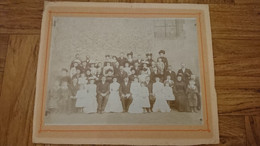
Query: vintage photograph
x,y
123,71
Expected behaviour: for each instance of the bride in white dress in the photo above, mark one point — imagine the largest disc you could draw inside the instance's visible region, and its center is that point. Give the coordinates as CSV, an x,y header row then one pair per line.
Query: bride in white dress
x,y
136,106
114,104
160,104
91,100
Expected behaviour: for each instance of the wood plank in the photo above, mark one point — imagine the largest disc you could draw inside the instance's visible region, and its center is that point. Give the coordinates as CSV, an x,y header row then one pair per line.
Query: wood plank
x,y
235,21
236,57
232,130
238,101
17,98
247,2
1,81
3,49
252,130
237,82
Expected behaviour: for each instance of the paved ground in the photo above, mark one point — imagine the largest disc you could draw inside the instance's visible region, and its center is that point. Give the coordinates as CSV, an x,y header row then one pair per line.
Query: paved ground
x,y
171,118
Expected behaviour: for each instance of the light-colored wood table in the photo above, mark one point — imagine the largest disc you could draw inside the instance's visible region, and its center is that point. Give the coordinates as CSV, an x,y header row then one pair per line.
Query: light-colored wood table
x,y
236,45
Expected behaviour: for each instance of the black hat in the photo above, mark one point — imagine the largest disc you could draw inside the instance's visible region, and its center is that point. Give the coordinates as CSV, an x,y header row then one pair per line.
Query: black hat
x,y
161,51
131,53
107,55
149,54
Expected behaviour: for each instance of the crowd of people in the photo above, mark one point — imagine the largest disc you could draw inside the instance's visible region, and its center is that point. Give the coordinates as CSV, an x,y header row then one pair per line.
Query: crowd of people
x,y
124,84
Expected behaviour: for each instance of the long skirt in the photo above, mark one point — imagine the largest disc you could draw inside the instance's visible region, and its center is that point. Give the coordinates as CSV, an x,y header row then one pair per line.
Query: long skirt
x,y
181,102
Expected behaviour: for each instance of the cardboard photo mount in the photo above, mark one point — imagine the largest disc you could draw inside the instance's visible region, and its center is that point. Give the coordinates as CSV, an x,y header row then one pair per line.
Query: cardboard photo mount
x,y
207,133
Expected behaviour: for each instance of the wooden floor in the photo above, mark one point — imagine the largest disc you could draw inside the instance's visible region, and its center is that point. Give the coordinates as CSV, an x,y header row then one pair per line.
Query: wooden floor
x,y
236,45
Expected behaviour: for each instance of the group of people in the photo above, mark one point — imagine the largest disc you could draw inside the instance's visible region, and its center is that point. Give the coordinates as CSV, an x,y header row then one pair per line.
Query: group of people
x,y
124,84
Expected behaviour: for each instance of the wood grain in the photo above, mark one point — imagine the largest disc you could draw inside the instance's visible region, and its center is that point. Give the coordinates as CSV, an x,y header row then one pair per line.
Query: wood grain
x,y
252,130
17,98
236,46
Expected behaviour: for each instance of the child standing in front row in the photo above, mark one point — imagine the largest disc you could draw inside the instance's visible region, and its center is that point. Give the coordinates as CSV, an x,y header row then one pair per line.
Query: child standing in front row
x,y
144,97
192,92
168,93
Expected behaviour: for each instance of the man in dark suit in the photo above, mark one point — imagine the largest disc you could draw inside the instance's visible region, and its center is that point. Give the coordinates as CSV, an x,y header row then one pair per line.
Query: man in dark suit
x,y
121,60
102,94
155,74
171,73
148,83
121,75
185,72
126,96
139,60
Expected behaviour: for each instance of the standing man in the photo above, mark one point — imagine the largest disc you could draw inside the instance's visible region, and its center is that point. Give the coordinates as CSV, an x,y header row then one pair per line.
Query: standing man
x,y
122,60
102,95
171,73
148,83
126,96
185,72
164,59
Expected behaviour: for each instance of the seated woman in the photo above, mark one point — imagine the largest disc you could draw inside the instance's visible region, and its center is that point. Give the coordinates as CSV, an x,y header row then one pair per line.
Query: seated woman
x,y
107,67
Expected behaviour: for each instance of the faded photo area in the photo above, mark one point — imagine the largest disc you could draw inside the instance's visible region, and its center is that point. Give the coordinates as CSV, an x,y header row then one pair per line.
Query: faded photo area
x,y
123,71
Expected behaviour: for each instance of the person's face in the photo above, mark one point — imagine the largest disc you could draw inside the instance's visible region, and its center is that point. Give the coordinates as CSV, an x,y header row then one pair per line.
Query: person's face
x,y
74,80
136,64
75,64
157,79
179,78
126,65
183,65
129,56
117,64
149,57
103,79
114,80
168,77
161,54
133,71
160,60
126,79
88,72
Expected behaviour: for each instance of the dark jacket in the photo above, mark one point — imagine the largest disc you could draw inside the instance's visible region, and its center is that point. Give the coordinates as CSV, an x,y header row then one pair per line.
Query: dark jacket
x,y
172,74
124,89
103,88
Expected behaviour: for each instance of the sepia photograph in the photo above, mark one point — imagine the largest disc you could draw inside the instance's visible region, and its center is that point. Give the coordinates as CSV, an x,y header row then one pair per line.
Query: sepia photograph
x,y
123,71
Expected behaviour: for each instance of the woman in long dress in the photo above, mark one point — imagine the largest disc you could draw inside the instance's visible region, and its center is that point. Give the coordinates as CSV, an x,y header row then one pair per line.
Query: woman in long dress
x,y
181,102
81,97
136,106
160,104
114,103
144,97
91,99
